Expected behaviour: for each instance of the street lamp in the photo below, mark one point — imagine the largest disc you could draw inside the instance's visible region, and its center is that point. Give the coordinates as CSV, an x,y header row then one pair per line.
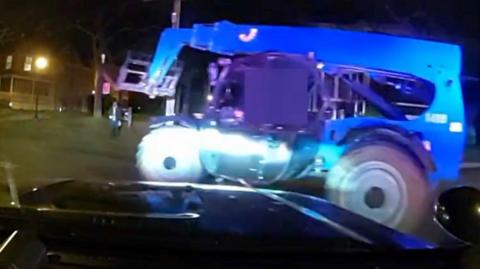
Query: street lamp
x,y
41,63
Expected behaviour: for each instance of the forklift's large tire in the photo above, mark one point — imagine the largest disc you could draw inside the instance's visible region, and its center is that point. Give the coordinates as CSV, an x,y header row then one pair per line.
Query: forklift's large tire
x,y
170,153
383,183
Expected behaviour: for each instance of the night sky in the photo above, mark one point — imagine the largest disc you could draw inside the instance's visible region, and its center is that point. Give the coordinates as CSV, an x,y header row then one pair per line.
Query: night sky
x,y
136,24
456,17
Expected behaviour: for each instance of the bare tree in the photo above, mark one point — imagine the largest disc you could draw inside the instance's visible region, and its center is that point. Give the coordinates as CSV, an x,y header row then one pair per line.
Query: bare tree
x,y
103,27
97,46
98,35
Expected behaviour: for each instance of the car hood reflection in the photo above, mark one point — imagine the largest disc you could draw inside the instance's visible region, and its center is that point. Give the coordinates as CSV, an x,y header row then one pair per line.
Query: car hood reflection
x,y
217,210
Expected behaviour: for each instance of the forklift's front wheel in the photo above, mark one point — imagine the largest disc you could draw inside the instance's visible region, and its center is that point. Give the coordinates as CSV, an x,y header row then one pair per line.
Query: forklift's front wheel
x,y
383,183
170,153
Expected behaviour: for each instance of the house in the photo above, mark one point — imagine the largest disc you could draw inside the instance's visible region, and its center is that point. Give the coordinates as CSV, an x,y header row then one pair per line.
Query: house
x,y
26,79
34,77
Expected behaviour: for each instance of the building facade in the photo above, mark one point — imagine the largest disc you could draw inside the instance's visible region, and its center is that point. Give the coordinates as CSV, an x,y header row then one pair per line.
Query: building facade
x,y
24,85
37,79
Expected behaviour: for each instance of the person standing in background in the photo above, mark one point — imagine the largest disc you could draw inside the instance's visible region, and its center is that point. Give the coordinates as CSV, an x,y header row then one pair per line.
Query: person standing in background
x,y
115,117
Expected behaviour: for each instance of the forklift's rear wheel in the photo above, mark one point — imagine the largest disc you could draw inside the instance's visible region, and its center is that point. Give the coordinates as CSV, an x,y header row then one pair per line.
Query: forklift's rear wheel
x,y
382,183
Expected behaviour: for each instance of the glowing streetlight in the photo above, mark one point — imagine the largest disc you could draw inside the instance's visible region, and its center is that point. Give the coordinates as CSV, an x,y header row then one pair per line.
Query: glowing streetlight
x,y
41,63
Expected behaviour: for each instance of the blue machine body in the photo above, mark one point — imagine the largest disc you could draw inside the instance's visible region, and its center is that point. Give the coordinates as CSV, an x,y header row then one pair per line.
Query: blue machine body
x,y
442,125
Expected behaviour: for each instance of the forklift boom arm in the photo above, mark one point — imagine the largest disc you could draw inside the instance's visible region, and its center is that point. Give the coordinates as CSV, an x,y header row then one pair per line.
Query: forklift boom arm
x,y
421,58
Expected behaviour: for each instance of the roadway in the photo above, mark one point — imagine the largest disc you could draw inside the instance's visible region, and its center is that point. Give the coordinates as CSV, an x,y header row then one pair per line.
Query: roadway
x,y
66,146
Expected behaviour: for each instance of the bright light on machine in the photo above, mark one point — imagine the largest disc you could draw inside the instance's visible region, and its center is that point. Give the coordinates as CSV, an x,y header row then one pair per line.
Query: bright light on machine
x,y
241,145
224,61
320,65
209,98
237,144
198,115
41,63
10,104
427,145
93,92
455,127
238,114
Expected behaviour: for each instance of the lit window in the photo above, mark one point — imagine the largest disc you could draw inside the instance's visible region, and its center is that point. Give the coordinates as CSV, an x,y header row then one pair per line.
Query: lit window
x,y
28,63
9,62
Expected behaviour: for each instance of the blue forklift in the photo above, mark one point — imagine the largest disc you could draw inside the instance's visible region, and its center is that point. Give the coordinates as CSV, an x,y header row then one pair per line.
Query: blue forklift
x,y
378,119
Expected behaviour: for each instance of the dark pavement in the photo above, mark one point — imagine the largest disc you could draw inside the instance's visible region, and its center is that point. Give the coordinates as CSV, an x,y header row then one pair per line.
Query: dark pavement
x,y
66,145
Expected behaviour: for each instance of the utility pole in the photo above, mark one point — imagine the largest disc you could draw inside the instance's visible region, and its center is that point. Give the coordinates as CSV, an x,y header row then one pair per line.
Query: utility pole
x,y
176,12
35,91
36,106
97,95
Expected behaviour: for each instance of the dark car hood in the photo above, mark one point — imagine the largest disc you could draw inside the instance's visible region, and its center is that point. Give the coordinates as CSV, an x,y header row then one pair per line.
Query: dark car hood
x,y
200,214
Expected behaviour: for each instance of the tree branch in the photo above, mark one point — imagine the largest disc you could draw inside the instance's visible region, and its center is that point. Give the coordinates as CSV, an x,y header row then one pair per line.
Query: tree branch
x,y
130,29
119,12
85,31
